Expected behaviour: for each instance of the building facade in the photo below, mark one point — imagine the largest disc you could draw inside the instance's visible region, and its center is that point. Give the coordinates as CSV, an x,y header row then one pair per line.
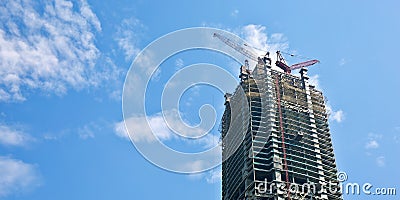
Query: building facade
x,y
276,142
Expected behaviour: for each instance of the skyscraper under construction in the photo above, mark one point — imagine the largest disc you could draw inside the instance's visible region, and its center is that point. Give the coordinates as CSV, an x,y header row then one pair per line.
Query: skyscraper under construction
x,y
275,138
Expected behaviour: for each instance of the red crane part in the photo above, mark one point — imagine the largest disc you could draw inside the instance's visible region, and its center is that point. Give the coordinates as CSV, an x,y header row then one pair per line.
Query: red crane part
x,y
304,64
278,95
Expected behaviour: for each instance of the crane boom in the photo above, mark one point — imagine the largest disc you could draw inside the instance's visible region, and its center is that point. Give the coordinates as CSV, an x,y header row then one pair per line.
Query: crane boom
x,y
280,61
235,46
303,64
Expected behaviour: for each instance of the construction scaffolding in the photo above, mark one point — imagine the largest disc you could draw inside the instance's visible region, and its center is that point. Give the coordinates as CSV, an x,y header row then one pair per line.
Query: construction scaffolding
x,y
281,136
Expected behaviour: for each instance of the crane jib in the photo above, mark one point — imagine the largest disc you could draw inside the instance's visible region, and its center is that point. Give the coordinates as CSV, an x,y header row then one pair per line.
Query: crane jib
x,y
304,64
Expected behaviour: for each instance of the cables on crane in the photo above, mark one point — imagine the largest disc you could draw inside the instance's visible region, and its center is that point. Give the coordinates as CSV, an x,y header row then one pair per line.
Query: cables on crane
x,y
237,47
296,55
280,60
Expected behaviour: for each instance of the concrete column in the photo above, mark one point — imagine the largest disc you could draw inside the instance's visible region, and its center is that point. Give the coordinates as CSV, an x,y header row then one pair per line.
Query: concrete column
x,y
306,85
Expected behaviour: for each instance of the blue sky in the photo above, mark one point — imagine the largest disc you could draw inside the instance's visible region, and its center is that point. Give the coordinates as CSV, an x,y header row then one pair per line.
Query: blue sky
x,y
63,65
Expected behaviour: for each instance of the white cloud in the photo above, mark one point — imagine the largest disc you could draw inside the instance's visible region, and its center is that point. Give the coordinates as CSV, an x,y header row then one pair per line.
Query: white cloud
x,y
195,166
211,176
373,141
257,38
120,130
179,63
17,176
380,161
314,81
334,115
162,131
135,123
158,125
210,140
88,130
372,144
337,116
235,13
127,37
195,90
48,46
48,136
342,62
156,122
116,95
214,176
11,136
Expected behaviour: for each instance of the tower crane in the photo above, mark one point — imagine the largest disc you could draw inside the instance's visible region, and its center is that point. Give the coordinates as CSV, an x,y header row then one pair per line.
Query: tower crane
x,y
236,46
280,62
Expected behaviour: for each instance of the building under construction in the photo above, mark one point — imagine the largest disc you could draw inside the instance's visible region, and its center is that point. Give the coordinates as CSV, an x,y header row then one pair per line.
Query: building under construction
x,y
276,140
